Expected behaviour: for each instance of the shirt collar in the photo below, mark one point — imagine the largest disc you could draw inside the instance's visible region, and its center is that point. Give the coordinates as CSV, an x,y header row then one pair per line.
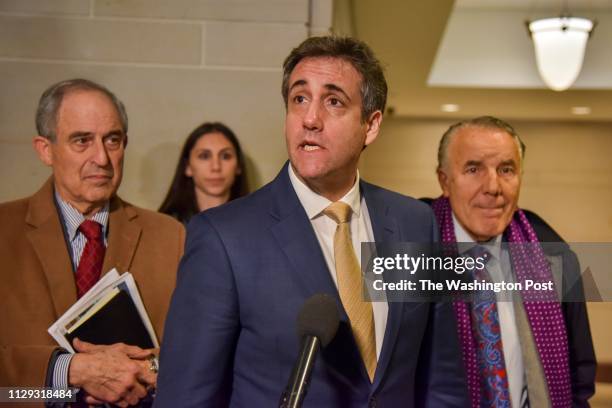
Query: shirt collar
x,y
73,218
314,204
493,245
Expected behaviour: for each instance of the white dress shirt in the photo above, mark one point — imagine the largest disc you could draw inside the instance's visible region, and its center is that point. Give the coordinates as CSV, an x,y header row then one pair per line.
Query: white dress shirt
x,y
513,355
325,228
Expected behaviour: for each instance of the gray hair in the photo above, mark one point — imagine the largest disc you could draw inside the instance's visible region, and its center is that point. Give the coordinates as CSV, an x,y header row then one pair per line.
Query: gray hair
x,y
358,54
488,122
51,100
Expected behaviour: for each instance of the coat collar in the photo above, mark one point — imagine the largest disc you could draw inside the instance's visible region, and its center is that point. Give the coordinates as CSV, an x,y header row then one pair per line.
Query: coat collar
x,y
384,224
46,236
123,236
47,239
385,228
296,238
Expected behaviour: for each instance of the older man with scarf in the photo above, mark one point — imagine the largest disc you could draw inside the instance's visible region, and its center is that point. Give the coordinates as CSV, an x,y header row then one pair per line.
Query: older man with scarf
x,y
516,354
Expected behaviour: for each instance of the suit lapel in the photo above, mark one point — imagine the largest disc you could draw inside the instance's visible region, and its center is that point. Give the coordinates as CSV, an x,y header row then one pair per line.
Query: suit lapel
x,y
48,242
123,236
385,230
296,238
298,242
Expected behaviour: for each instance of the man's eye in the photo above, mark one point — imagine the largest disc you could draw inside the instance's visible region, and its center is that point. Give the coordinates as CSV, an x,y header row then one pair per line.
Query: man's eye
x,y
114,140
335,102
507,170
299,99
471,169
82,142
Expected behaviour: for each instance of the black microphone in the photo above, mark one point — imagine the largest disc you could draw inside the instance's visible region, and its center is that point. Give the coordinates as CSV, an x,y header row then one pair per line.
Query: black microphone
x,y
317,324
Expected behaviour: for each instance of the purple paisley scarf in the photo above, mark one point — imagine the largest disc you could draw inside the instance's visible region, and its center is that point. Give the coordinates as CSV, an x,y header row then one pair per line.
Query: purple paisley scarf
x,y
543,311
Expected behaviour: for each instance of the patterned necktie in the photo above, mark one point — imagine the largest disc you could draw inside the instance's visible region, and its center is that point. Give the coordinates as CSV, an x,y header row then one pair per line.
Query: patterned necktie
x,y
489,348
90,265
349,278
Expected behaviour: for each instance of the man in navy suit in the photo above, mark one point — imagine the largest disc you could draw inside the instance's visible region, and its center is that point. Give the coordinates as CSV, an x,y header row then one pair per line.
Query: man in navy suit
x,y
230,338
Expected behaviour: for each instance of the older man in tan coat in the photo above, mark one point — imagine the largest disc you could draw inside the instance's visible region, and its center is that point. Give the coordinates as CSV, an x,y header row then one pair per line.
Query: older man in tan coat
x,y
55,245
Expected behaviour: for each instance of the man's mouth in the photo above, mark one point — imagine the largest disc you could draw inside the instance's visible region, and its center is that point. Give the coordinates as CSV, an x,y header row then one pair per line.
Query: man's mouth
x,y
100,176
492,210
309,146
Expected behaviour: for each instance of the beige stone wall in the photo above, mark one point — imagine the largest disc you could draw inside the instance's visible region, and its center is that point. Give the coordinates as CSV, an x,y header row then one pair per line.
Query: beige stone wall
x,y
174,64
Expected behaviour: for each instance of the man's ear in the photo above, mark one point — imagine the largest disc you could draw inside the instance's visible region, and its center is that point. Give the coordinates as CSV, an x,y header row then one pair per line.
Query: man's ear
x,y
373,127
444,182
42,145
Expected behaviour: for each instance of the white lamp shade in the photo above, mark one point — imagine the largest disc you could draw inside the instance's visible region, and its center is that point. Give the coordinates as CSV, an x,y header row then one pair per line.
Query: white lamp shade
x,y
559,48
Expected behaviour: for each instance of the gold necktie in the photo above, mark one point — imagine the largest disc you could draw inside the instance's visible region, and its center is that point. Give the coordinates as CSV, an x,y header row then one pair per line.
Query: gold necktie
x,y
350,288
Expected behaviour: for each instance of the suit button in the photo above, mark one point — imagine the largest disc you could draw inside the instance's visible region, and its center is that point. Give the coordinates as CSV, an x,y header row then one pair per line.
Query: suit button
x,y
372,402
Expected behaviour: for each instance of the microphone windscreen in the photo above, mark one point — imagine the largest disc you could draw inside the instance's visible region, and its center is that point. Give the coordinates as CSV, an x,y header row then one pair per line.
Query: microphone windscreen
x,y
319,317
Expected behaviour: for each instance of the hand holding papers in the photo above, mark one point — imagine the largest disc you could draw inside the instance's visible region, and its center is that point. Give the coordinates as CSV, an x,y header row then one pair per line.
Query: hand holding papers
x,y
117,373
110,312
112,336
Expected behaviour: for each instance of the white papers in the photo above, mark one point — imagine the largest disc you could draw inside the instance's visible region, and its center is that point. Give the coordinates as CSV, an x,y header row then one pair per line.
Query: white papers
x,y
100,292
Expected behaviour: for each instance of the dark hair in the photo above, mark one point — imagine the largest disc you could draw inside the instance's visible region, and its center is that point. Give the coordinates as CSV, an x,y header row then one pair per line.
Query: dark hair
x,y
358,54
51,100
489,122
180,201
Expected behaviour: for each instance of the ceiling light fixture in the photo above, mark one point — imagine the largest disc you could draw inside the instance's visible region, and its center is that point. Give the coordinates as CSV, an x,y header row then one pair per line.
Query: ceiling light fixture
x,y
559,48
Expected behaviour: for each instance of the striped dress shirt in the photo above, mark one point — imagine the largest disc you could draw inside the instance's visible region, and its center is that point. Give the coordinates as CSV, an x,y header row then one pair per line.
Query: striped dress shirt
x,y
72,219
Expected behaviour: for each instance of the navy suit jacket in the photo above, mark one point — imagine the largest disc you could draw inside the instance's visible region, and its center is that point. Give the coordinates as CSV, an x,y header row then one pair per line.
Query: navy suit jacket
x,y
230,337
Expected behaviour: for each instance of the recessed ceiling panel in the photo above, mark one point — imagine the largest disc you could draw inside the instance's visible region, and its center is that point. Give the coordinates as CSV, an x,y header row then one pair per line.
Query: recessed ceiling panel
x,y
490,48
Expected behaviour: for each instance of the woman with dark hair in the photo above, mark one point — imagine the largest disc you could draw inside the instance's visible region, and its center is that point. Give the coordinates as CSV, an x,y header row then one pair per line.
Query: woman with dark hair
x,y
210,172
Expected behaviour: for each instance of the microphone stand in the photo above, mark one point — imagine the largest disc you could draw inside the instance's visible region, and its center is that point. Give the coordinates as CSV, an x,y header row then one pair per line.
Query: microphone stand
x,y
300,377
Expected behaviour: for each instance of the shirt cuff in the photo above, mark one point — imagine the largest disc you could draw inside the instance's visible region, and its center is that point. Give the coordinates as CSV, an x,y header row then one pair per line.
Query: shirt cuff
x,y
60,371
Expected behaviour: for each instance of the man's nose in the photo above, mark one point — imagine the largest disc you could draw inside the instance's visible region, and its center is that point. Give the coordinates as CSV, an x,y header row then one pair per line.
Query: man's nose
x,y
491,182
100,153
312,118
